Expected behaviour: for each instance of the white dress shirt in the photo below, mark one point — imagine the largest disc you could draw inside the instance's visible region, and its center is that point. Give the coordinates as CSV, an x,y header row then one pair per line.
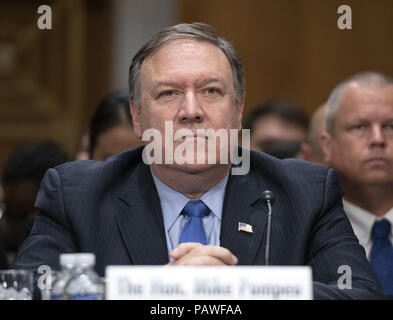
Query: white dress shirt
x,y
362,223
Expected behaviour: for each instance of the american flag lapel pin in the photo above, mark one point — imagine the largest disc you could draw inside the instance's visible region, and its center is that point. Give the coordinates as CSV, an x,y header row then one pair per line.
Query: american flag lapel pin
x,y
244,227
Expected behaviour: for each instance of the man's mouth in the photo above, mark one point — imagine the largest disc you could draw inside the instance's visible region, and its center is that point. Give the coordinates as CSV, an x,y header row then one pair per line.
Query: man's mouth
x,y
193,137
378,160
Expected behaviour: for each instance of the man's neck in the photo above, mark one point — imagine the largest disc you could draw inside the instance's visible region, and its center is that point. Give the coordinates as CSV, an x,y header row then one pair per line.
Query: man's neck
x,y
192,184
376,199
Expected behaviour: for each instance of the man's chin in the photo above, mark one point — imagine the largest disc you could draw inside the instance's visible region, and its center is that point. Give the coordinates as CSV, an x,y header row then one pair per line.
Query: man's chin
x,y
197,168
377,177
382,181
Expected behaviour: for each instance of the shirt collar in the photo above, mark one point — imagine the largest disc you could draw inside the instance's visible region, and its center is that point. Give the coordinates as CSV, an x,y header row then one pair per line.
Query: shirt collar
x,y
173,202
214,198
362,220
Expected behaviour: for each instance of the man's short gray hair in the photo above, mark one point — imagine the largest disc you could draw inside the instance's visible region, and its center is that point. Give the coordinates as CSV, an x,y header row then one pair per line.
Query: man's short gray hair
x,y
370,79
196,31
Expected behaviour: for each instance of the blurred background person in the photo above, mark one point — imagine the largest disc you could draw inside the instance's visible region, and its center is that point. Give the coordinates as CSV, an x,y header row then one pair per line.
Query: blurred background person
x,y
358,144
82,152
21,178
111,130
277,127
311,149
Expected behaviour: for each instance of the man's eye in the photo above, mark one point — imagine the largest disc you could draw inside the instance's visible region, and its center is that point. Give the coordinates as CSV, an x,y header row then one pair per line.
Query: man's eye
x,y
212,91
168,93
388,127
358,127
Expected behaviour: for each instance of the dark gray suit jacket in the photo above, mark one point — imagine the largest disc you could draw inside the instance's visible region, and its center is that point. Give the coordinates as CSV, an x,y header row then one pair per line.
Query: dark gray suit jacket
x,y
112,208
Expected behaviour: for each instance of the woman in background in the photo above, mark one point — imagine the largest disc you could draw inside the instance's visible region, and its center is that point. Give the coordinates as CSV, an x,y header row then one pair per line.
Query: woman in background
x,y
111,130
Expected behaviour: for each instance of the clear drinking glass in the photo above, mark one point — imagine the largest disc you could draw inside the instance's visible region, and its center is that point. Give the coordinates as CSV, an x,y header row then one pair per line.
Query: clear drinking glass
x,y
47,291
16,285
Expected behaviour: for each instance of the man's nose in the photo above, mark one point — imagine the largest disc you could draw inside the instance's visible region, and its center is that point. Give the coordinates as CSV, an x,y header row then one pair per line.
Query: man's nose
x,y
377,135
191,110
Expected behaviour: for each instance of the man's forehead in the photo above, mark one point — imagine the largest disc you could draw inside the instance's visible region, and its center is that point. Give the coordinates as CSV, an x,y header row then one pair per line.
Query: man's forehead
x,y
357,99
186,55
355,93
185,45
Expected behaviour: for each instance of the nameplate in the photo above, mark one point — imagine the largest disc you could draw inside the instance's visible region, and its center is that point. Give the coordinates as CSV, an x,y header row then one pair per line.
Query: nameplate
x,y
208,283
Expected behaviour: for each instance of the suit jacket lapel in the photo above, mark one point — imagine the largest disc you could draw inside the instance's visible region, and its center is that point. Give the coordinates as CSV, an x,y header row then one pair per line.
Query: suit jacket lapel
x,y
242,204
140,218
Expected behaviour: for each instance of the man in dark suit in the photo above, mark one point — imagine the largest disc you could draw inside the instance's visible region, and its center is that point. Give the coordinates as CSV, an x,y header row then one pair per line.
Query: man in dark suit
x,y
358,144
188,212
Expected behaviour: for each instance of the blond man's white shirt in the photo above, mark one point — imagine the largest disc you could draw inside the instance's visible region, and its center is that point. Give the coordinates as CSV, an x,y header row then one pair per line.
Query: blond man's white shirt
x,y
362,222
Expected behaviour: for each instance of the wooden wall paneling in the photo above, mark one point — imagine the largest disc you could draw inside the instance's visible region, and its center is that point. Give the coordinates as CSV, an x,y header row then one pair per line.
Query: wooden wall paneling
x,y
42,97
294,49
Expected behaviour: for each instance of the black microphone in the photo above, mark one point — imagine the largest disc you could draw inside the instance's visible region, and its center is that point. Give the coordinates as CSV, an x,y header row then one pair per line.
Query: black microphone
x,y
268,198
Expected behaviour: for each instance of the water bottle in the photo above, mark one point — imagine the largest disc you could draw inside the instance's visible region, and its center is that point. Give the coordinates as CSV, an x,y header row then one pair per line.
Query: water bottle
x,y
84,284
68,264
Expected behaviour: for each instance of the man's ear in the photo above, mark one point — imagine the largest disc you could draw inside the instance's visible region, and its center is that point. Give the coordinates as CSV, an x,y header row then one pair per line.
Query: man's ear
x,y
240,109
326,144
305,151
136,119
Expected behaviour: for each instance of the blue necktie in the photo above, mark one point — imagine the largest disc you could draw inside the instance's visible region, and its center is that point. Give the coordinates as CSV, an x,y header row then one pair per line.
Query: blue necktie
x,y
382,255
193,230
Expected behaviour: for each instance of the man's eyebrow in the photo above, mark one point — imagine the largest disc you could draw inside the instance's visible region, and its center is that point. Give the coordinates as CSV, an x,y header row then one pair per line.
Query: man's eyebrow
x,y
200,83
207,81
365,119
359,119
166,84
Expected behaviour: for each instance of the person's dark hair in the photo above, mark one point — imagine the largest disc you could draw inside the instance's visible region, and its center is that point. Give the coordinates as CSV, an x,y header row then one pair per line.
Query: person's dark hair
x,y
30,161
113,110
284,110
195,31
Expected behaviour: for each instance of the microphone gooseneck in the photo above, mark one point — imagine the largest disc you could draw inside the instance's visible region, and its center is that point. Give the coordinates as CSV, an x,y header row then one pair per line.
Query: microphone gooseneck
x,y
268,198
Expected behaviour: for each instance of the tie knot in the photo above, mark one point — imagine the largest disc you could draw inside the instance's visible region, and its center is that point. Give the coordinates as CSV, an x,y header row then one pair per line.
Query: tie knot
x,y
381,229
196,208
